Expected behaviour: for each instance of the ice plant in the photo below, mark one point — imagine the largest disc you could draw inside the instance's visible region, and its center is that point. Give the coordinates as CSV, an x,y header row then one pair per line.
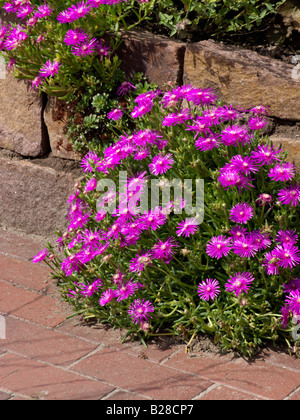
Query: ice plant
x,y
173,260
241,213
208,289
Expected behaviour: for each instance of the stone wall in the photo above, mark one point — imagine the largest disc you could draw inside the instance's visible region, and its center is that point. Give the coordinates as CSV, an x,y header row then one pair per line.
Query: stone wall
x,y
32,129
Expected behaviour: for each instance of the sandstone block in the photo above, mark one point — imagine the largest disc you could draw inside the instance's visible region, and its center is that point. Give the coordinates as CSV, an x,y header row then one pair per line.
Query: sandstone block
x,y
55,118
159,58
243,78
22,129
33,198
291,145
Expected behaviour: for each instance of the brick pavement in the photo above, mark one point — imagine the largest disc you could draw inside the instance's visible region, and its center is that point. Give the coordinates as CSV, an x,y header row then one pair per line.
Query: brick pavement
x,y
46,356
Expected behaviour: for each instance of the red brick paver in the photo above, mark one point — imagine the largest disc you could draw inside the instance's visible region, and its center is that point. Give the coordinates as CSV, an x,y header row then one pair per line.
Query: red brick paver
x,y
47,356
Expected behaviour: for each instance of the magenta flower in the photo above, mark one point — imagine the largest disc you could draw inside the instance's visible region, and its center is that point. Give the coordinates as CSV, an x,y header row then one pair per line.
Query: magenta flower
x,y
288,255
271,263
292,286
265,155
285,316
85,48
50,69
66,16
125,290
176,118
90,161
243,164
89,289
75,36
152,219
24,11
218,247
197,95
140,262
187,227
40,256
234,135
293,302
238,232
259,110
261,240
161,164
115,114
107,296
239,283
286,237
282,172
125,88
245,247
142,109
80,10
43,11
208,289
15,38
207,143
139,311
164,249
290,195
264,199
241,213
257,123
102,48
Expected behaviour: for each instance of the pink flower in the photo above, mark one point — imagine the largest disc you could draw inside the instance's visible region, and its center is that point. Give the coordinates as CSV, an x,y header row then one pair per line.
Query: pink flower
x,y
293,302
107,296
288,255
161,164
164,249
234,135
125,290
187,227
239,283
85,48
40,256
282,172
257,123
176,118
140,262
115,114
292,286
264,199
243,164
50,69
241,213
75,36
208,289
265,154
286,237
139,311
271,263
43,11
89,289
218,247
208,142
125,88
290,195
285,315
245,247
